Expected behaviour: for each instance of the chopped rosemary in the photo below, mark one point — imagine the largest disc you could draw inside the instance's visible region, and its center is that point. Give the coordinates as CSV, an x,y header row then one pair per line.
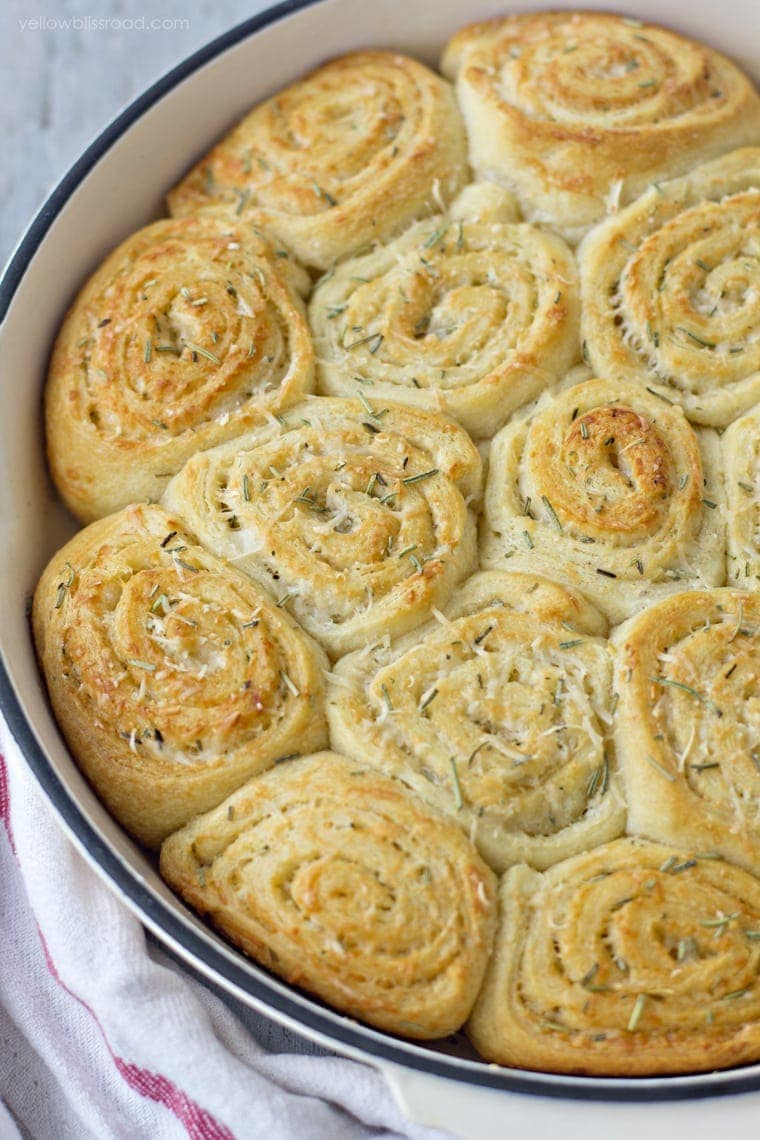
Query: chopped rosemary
x,y
687,689
659,395
552,513
434,238
528,539
246,489
148,350
571,644
324,194
422,475
202,352
482,636
698,339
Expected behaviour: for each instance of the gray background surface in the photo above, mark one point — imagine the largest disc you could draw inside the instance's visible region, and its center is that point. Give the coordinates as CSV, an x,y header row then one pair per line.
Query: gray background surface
x,y
60,85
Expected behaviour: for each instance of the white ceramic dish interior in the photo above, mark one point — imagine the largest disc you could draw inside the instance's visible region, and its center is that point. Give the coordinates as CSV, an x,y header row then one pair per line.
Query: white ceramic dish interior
x,y
117,186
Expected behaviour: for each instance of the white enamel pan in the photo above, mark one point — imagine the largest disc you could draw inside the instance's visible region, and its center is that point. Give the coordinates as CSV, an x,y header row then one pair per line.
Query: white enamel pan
x,y
116,186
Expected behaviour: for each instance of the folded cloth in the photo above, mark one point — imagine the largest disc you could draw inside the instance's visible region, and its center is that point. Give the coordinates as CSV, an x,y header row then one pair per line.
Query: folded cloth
x,y
104,1036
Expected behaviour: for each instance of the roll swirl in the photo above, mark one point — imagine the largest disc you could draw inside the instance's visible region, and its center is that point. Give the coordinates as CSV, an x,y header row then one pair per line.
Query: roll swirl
x,y
498,713
606,487
577,112
188,334
634,958
741,458
351,153
344,883
172,676
670,290
352,514
470,313
688,722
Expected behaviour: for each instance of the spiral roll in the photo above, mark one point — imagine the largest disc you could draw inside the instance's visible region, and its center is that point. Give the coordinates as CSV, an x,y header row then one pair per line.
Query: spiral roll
x,y
350,154
688,722
344,883
352,514
468,313
670,290
606,487
577,112
634,958
172,676
188,334
498,713
741,458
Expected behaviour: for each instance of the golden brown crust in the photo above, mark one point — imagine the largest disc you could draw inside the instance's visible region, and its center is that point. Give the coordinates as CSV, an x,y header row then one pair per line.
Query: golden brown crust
x,y
342,882
351,153
688,722
188,334
351,513
172,676
606,487
499,713
741,458
669,290
469,313
577,112
632,959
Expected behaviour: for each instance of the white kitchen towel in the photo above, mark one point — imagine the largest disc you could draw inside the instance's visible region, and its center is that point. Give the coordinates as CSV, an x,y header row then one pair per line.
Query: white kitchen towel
x,y
104,1037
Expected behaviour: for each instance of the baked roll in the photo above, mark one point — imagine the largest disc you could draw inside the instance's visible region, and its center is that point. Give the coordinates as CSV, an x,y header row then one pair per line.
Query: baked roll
x,y
688,722
172,676
498,713
741,458
344,883
634,958
352,153
670,288
578,111
353,514
188,334
606,487
468,312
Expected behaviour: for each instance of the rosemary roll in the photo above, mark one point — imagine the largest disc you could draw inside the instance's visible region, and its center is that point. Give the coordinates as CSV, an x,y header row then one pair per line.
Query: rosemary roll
x,y
468,312
188,334
670,290
497,712
688,722
606,487
578,111
344,883
173,677
352,153
354,515
741,456
633,959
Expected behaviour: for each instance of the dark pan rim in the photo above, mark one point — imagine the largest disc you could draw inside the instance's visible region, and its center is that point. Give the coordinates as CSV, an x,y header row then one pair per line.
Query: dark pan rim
x,y
158,914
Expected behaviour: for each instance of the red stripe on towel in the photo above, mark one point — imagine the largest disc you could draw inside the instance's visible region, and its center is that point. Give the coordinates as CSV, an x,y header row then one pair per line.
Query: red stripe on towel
x,y
199,1123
